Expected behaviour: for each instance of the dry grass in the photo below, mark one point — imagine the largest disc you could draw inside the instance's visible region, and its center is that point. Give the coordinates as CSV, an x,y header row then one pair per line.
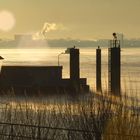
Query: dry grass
x,y
87,117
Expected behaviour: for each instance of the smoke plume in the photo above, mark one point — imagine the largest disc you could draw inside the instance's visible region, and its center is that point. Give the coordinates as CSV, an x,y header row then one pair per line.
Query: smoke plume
x,y
48,27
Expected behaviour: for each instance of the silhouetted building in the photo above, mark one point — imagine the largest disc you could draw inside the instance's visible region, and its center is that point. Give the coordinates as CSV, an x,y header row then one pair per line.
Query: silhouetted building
x,y
74,64
98,70
114,67
48,78
15,76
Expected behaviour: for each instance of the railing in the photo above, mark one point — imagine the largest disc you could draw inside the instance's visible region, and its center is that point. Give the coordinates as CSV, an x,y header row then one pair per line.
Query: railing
x,y
12,133
114,43
38,130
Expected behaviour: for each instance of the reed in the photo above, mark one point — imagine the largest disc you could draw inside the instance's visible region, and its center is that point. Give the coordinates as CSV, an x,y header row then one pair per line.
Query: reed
x,y
87,117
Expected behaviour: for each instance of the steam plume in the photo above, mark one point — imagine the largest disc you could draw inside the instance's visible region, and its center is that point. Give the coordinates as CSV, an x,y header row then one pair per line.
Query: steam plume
x,y
48,27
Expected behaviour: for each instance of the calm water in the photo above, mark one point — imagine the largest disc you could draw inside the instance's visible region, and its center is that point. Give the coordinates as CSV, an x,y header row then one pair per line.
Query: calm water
x,y
130,63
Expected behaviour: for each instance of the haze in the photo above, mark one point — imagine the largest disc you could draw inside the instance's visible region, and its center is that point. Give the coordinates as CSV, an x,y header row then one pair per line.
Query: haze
x,y
77,19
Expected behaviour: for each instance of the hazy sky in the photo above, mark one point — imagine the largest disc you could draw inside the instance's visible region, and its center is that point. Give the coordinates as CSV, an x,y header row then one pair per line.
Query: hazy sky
x,y
78,19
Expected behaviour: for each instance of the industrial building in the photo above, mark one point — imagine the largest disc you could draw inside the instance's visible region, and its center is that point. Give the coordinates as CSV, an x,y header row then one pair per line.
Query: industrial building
x,y
45,78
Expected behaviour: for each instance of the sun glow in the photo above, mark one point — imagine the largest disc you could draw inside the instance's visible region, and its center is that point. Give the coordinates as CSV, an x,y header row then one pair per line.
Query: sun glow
x,y
7,21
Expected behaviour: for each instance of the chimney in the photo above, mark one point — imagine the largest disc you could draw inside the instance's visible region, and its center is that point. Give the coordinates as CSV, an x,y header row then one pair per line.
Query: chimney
x,y
74,64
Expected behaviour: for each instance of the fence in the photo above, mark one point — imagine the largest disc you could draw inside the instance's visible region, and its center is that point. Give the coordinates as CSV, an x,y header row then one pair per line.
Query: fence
x,y
15,131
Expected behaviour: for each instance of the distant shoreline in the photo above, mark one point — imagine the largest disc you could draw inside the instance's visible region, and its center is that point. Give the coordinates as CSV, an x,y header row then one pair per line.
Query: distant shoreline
x,y
60,43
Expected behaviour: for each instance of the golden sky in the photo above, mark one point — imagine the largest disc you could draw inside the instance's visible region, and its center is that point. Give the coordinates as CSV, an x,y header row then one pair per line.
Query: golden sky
x,y
78,19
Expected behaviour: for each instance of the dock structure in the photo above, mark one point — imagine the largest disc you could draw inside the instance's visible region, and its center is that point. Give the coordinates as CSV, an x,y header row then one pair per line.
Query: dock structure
x,y
48,78
98,70
114,67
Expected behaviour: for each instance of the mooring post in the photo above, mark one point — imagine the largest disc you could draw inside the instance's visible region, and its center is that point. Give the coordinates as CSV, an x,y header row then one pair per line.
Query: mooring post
x,y
98,70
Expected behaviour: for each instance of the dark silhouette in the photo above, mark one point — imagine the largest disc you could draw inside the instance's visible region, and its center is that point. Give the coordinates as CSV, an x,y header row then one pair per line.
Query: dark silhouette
x,y
47,78
98,70
114,66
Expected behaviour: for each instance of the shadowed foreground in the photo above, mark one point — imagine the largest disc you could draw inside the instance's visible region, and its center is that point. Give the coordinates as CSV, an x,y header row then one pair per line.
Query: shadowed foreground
x,y
81,118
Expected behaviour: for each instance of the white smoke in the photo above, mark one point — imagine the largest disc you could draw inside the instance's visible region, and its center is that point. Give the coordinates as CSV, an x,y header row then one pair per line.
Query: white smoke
x,y
48,27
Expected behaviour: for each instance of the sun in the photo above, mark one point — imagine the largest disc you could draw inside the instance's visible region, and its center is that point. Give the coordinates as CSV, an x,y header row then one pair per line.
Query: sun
x,y
7,21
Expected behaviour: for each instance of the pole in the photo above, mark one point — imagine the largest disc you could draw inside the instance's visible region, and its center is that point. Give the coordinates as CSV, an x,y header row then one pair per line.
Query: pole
x,y
59,57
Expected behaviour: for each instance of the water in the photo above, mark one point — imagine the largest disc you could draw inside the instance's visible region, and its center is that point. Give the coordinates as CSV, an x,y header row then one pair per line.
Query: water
x,y
130,64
